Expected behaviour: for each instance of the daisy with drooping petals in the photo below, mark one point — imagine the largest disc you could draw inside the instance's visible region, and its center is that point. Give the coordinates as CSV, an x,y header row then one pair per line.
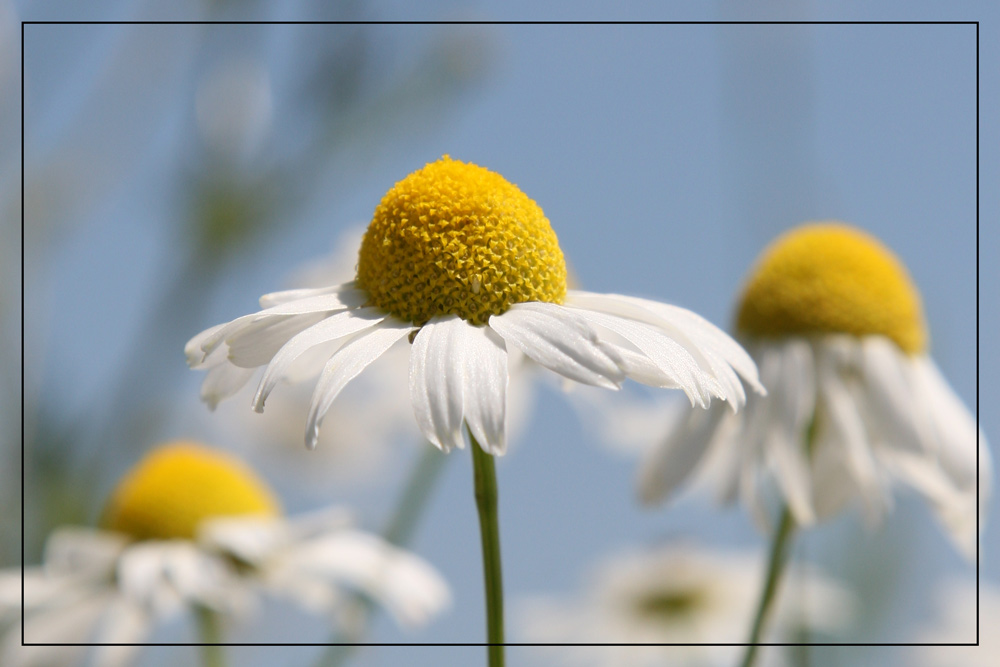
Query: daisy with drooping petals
x,y
190,529
463,265
676,595
855,402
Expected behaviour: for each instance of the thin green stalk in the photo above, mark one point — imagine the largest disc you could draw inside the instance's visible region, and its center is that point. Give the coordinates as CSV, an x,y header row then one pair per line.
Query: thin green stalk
x,y
210,633
398,531
484,475
775,567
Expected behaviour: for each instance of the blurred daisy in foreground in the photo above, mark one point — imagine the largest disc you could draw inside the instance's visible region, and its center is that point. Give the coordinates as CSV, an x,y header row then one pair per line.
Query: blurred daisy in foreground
x,y
955,622
677,594
855,401
459,262
190,529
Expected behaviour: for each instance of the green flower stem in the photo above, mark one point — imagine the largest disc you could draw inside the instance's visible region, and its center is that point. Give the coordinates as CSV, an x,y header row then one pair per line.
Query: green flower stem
x,y
210,633
484,474
398,531
776,565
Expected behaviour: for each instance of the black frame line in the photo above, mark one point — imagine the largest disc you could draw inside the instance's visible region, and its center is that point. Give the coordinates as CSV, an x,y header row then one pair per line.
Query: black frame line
x,y
585,23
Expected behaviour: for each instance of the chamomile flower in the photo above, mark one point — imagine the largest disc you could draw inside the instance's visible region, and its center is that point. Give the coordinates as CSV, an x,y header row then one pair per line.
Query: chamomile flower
x,y
855,402
192,529
677,595
464,266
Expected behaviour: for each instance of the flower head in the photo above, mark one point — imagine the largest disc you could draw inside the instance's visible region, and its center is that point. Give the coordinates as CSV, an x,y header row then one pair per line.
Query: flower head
x,y
462,264
191,528
676,595
830,278
855,403
457,239
178,486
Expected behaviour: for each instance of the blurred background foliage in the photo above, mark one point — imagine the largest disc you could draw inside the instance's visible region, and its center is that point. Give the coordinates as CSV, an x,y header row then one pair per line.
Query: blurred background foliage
x,y
235,180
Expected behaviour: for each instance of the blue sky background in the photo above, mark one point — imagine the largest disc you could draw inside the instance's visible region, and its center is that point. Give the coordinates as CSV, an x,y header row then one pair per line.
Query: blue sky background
x,y
665,157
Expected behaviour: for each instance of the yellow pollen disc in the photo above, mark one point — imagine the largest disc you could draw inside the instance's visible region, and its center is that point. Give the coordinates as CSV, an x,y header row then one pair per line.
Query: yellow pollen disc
x,y
455,238
179,485
832,278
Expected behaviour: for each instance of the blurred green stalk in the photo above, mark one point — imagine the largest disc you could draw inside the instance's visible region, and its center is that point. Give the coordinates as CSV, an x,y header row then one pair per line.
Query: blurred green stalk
x,y
775,568
210,632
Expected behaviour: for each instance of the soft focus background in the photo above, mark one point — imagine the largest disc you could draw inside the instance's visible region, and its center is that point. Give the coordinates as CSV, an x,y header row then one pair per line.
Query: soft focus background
x,y
175,173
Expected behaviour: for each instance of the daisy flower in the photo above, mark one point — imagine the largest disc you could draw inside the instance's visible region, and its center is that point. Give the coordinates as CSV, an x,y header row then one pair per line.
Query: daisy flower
x,y
191,529
464,266
855,402
676,595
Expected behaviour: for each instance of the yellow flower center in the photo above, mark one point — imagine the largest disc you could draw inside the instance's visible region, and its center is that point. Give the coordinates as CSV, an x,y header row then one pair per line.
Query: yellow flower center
x,y
832,278
455,238
181,484
669,605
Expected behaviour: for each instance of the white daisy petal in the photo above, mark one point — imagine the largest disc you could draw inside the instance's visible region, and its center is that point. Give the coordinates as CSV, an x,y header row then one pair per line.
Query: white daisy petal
x,y
718,339
750,495
82,551
437,380
140,578
637,366
723,460
256,344
562,341
888,378
125,622
347,293
794,398
223,381
334,327
319,522
751,443
847,427
963,448
64,624
833,484
485,390
955,426
688,327
309,305
669,355
409,588
194,348
309,364
250,539
702,340
345,365
671,463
